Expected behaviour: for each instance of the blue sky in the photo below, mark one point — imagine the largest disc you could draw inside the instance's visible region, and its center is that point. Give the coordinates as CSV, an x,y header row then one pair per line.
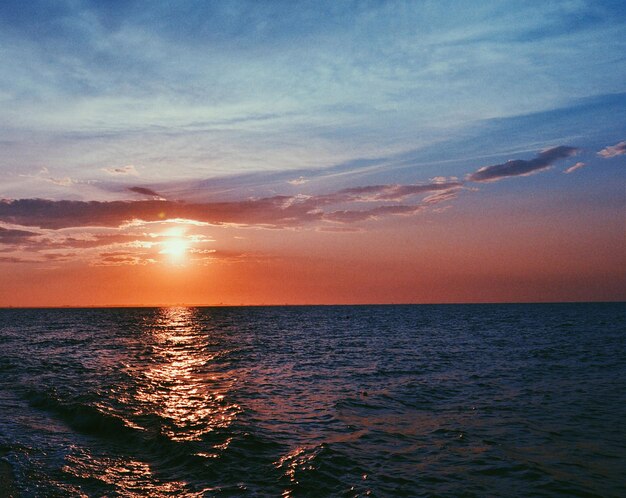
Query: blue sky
x,y
199,90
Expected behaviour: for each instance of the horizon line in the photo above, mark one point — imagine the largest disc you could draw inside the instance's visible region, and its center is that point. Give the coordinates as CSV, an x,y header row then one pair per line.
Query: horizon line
x,y
283,305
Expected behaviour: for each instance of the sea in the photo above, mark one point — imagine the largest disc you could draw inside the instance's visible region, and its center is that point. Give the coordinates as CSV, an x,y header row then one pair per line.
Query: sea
x,y
408,400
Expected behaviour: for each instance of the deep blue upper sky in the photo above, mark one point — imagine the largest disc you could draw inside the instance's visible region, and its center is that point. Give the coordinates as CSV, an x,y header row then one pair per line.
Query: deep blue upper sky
x,y
335,92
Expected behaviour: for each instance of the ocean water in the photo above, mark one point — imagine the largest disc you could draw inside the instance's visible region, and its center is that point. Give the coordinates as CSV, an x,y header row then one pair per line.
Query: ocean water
x,y
450,400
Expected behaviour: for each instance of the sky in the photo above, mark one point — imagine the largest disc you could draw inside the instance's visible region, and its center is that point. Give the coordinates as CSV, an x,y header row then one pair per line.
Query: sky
x,y
245,152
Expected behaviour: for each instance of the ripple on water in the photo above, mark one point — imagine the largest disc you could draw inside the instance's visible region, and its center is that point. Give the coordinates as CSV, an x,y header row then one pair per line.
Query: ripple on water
x,y
314,401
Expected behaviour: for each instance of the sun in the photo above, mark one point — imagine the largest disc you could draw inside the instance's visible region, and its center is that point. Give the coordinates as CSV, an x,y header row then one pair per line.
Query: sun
x,y
175,248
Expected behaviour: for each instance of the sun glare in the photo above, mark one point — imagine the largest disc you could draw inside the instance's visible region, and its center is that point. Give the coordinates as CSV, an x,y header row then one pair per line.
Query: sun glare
x,y
175,248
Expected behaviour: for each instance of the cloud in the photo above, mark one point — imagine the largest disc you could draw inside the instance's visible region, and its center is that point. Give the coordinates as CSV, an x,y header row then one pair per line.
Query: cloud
x,y
124,246
93,241
521,167
370,214
279,211
13,236
16,259
393,192
123,258
298,181
43,175
63,182
58,256
209,256
573,168
196,255
65,214
613,150
50,239
344,206
128,170
438,197
144,191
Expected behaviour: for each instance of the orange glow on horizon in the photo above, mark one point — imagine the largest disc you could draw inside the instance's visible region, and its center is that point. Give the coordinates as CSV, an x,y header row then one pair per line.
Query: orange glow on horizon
x,y
462,256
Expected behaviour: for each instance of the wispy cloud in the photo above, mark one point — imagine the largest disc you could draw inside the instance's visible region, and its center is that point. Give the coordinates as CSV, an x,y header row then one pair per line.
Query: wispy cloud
x,y
44,175
128,170
392,192
613,150
352,216
63,182
123,258
92,240
520,167
574,167
298,181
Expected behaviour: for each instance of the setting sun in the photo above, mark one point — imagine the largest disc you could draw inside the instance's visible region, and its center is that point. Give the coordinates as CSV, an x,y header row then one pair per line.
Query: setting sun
x,y
176,248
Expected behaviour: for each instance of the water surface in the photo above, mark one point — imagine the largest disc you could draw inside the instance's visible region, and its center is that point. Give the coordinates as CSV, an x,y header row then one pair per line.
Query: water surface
x,y
444,400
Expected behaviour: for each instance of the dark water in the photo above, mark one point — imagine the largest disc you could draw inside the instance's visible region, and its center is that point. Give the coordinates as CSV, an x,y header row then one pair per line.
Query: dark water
x,y
473,400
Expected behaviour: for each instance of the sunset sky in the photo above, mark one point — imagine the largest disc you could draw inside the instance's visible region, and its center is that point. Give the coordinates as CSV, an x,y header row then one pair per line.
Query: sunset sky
x,y
312,152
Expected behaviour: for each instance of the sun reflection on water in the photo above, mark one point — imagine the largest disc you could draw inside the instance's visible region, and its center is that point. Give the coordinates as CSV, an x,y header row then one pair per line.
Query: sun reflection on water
x,y
175,387
181,385
133,476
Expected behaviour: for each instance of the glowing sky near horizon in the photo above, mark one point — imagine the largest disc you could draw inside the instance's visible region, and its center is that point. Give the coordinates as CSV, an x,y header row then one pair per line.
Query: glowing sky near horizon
x,y
299,152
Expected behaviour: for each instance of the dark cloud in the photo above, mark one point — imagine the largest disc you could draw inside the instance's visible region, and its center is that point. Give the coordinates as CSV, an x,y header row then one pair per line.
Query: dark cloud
x,y
122,171
12,236
58,256
64,214
39,258
15,259
275,212
520,167
144,191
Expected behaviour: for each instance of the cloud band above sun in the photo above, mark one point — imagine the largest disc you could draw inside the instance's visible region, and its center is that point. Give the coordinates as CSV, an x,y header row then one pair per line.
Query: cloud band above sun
x,y
349,205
